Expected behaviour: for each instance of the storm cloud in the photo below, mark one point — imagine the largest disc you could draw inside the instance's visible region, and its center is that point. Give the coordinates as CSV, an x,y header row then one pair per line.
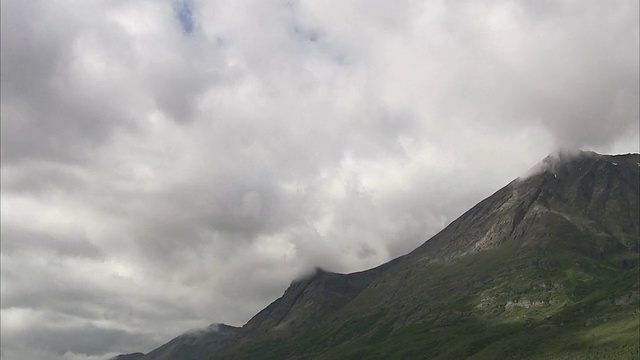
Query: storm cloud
x,y
171,164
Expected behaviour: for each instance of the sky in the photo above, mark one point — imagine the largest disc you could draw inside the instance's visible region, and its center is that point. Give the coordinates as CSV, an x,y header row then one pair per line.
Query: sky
x,y
170,164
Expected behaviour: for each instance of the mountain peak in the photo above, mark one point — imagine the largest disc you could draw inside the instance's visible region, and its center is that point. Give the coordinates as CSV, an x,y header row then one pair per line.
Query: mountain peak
x,y
553,162
313,274
213,328
579,188
570,160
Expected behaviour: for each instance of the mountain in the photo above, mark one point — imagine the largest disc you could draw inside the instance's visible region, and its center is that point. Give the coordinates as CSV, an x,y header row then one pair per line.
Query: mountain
x,y
133,356
545,268
193,345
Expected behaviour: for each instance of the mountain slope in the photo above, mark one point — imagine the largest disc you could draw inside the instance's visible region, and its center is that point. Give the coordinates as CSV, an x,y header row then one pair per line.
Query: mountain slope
x,y
545,268
307,300
192,345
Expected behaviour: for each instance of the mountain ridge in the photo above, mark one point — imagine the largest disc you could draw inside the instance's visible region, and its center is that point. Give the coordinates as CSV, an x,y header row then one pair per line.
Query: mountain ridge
x,y
558,246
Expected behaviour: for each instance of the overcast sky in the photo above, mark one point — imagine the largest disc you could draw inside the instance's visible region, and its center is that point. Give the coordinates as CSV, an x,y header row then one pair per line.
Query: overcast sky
x,y
169,164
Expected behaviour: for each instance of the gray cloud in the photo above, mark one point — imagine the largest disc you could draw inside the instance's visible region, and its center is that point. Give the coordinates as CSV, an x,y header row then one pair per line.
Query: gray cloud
x,y
65,340
157,179
20,240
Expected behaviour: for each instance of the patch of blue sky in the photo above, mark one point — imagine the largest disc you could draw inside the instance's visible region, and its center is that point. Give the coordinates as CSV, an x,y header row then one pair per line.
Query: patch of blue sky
x,y
184,13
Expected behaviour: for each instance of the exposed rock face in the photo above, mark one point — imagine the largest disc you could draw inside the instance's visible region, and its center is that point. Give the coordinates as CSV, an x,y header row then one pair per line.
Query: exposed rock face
x,y
596,194
523,303
553,250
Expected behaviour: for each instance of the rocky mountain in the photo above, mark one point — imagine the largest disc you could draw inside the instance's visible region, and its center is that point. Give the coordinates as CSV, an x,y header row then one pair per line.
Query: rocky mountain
x,y
545,268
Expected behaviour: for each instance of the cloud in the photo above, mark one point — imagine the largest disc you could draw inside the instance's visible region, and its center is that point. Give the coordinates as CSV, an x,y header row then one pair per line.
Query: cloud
x,y
169,164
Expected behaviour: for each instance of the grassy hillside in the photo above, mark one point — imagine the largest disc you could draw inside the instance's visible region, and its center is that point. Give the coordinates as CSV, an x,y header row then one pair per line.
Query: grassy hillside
x,y
563,308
